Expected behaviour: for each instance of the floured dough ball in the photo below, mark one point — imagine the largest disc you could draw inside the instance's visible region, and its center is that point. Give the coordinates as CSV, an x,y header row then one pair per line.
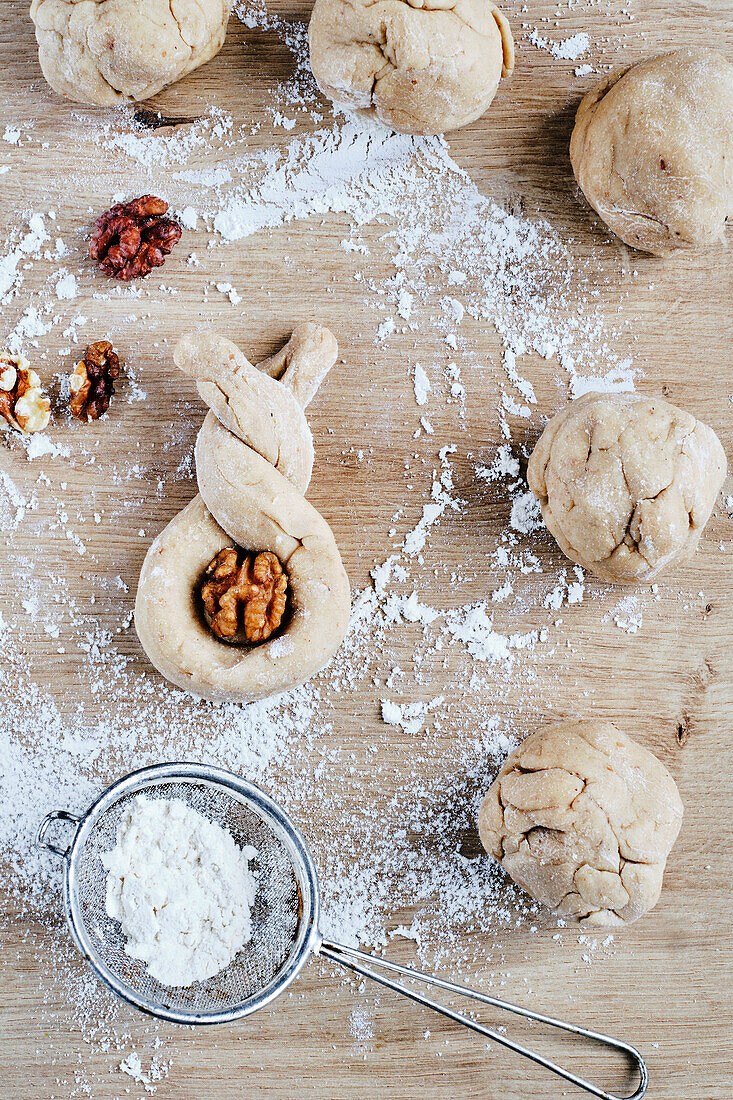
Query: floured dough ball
x,y
114,51
583,819
652,150
419,66
626,483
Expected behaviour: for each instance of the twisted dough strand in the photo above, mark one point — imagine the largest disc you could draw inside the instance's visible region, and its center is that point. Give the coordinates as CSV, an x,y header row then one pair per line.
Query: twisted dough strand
x,y
254,456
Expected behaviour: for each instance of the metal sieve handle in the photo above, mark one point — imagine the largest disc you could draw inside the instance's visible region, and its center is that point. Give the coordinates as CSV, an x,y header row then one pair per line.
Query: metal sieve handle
x,y
363,964
48,821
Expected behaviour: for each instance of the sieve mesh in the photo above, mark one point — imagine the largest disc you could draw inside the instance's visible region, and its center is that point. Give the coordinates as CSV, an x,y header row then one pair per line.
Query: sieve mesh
x,y
278,937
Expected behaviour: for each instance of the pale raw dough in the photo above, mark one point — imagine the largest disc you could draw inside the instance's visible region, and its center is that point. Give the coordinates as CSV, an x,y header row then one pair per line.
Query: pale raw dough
x,y
254,455
116,51
652,150
583,819
419,67
626,483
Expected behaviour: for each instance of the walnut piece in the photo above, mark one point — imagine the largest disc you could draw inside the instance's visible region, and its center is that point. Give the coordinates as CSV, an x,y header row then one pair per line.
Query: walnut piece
x,y
22,401
132,238
92,381
244,595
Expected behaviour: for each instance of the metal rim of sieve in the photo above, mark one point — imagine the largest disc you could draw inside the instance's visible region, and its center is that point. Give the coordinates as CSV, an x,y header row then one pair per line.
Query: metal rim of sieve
x,y
256,801
308,939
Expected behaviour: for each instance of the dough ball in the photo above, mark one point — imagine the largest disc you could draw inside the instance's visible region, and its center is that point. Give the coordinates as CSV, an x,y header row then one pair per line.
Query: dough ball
x,y
583,819
652,150
114,51
626,483
419,66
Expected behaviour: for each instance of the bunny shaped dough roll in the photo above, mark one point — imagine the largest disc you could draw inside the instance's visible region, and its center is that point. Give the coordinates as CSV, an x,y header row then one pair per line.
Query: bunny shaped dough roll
x,y
244,593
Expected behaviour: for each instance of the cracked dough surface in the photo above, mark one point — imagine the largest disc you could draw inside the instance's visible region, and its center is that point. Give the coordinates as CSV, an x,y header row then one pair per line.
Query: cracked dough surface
x,y
583,819
626,483
420,68
116,51
652,150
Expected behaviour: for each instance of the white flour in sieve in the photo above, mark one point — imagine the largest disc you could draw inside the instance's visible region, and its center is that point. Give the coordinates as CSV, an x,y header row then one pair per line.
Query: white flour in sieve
x,y
181,889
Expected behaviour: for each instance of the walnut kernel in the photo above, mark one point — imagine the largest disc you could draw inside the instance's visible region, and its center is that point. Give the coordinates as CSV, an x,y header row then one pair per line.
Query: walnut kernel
x,y
22,401
92,381
131,238
244,595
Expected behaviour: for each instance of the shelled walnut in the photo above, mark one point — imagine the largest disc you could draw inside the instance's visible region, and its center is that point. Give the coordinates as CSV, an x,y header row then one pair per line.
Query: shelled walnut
x,y
92,381
244,595
22,401
132,238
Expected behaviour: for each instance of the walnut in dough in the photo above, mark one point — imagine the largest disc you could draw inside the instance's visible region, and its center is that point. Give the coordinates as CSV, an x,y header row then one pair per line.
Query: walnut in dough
x,y
652,150
626,483
583,819
419,66
254,455
113,51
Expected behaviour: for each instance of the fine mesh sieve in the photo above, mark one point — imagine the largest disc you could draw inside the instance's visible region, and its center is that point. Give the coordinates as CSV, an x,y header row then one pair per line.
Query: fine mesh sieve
x,y
284,915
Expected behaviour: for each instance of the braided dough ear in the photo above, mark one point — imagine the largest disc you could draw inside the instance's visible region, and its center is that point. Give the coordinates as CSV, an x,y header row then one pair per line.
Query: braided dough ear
x,y
254,455
175,637
258,409
257,507
304,361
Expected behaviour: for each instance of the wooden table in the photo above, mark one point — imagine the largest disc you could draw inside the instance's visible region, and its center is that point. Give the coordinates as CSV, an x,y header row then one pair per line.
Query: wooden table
x,y
665,983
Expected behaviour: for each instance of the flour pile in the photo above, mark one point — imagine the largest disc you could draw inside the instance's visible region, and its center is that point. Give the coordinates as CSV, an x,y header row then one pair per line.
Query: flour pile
x,y
181,889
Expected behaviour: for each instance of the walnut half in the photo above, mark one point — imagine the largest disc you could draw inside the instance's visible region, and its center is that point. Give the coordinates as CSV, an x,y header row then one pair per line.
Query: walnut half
x,y
92,381
22,401
132,238
244,595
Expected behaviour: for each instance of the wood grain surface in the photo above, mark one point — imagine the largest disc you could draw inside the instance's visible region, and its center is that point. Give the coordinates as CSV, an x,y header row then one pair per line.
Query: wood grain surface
x,y
666,985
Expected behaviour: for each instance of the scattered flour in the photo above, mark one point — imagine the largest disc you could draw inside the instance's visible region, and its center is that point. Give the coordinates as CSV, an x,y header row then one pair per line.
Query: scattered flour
x,y
66,286
570,49
411,717
132,1065
460,262
421,384
361,1025
526,516
230,292
628,614
29,246
189,218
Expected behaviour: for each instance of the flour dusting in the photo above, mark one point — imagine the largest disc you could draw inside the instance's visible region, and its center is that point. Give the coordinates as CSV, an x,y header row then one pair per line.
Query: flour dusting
x,y
443,670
